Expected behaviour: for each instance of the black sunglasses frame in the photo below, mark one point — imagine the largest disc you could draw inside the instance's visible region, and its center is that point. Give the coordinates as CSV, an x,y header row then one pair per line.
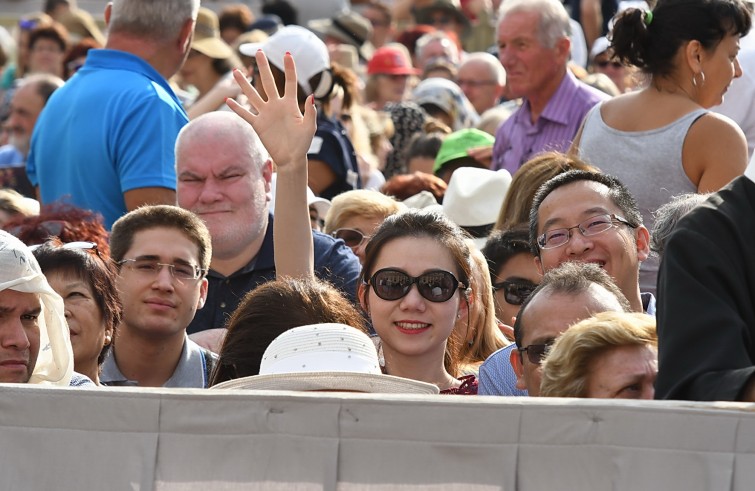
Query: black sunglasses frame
x,y
515,292
536,352
423,288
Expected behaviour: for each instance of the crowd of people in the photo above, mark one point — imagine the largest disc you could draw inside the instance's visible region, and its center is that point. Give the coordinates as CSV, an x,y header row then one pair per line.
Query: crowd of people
x,y
411,196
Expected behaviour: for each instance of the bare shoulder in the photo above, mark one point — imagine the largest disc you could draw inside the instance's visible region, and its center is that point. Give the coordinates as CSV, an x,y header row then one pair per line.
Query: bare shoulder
x,y
715,152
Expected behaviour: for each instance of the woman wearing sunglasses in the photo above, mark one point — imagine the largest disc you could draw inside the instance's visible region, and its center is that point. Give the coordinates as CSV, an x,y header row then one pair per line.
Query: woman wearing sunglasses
x,y
415,288
355,215
86,281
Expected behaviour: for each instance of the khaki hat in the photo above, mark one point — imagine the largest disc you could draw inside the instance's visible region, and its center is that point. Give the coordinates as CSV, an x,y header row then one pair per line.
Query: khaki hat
x,y
348,26
452,7
207,36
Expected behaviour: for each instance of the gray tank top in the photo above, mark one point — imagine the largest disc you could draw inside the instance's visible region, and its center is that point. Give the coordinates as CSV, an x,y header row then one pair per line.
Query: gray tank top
x,y
649,163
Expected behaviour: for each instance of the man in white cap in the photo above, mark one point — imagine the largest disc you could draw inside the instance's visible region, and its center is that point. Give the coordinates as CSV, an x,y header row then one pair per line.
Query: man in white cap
x,y
35,346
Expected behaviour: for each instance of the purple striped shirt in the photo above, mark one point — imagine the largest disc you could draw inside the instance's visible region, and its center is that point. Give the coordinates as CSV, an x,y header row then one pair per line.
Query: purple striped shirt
x,y
518,140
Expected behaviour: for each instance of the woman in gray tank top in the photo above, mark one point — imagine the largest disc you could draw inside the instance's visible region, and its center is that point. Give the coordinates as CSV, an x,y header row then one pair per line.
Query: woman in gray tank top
x,y
661,141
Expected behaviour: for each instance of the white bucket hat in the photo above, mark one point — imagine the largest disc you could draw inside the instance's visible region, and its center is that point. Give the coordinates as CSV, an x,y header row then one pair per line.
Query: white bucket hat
x,y
19,271
474,197
325,357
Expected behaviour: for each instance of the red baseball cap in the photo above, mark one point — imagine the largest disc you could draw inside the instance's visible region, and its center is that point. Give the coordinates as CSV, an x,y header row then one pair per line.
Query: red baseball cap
x,y
390,60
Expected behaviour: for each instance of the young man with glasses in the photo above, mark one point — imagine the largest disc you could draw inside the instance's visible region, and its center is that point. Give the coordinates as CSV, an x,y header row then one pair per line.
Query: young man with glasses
x,y
162,254
584,217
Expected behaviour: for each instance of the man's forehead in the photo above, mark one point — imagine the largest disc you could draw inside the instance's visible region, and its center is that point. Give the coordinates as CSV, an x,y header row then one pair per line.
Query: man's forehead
x,y
144,243
580,198
12,299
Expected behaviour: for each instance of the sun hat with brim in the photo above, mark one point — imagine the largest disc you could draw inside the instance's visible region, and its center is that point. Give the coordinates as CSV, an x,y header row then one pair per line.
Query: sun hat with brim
x,y
457,144
309,52
453,7
599,46
325,357
348,27
390,60
207,36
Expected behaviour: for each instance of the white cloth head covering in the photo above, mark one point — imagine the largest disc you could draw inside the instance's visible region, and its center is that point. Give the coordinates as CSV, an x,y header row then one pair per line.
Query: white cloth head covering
x,y
19,271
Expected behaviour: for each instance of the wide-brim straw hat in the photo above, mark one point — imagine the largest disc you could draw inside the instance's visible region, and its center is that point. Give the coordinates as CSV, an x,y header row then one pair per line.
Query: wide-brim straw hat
x,y
325,357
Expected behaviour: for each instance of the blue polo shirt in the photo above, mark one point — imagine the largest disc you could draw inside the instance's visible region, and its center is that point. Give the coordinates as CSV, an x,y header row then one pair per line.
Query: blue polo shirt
x,y
334,263
110,129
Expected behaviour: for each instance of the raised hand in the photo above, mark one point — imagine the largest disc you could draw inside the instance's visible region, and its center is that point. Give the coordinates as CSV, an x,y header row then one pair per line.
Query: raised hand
x,y
287,135
283,130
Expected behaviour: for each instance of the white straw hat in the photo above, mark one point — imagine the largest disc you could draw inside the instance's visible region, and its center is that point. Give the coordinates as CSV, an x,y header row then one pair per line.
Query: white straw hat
x,y
325,357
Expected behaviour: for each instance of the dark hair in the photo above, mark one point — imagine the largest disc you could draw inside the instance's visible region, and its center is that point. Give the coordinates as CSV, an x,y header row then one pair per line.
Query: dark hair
x,y
410,36
149,217
425,145
651,43
96,271
527,180
422,224
269,310
283,9
236,16
502,245
66,222
618,193
54,32
570,278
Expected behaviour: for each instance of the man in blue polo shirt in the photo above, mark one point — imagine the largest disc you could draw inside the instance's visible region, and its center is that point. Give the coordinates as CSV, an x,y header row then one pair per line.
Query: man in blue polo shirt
x,y
105,140
224,175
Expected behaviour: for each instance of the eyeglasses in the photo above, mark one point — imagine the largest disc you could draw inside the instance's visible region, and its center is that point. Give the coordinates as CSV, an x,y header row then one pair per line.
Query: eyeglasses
x,y
515,292
351,237
151,268
592,226
27,24
435,286
605,63
536,352
53,228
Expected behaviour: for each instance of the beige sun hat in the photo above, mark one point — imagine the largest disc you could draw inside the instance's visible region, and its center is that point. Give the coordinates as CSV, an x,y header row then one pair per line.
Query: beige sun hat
x,y
207,38
325,357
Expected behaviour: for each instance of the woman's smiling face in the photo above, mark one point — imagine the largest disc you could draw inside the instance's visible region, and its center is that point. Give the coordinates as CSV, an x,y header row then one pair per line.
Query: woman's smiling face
x,y
413,325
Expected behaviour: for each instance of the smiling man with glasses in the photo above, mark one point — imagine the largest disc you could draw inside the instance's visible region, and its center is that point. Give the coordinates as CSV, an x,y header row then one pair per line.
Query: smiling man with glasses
x,y
580,217
162,254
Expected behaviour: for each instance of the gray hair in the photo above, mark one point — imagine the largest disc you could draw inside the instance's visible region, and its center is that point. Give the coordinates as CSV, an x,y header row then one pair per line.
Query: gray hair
x,y
554,20
491,62
227,125
668,215
154,19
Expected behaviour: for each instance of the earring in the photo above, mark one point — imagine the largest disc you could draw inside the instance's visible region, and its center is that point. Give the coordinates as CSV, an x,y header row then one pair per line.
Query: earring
x,y
702,75
108,339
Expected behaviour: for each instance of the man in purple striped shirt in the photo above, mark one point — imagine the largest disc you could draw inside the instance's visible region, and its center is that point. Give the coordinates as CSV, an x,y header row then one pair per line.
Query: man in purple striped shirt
x,y
533,46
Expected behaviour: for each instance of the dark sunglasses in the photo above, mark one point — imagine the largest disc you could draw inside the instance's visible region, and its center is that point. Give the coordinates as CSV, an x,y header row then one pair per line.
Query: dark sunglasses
x,y
52,228
515,292
536,352
435,286
350,236
605,63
